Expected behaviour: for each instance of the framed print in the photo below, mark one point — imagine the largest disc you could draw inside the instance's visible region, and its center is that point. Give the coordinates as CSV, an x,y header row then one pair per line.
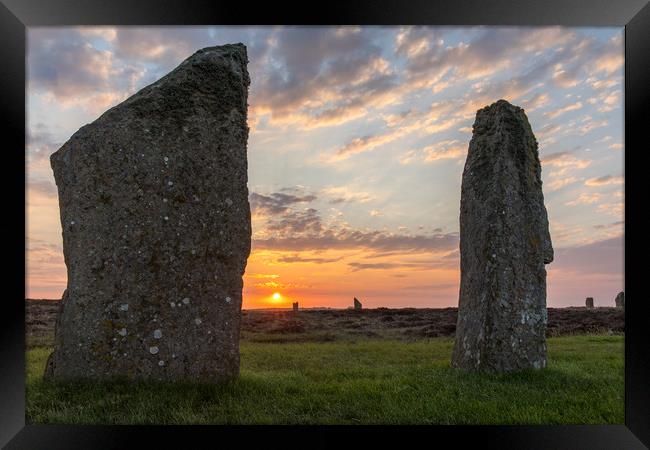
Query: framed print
x,y
370,225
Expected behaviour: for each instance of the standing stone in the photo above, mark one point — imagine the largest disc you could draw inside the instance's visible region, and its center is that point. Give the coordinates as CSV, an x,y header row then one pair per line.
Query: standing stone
x,y
295,306
589,302
504,244
357,304
157,228
620,300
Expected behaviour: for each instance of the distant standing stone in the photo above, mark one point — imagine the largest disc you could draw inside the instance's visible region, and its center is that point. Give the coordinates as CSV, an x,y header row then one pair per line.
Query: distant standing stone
x,y
157,228
504,245
620,300
589,302
357,304
295,306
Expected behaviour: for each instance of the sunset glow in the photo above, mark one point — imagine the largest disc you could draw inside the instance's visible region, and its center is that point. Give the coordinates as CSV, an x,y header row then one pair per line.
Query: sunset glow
x,y
358,137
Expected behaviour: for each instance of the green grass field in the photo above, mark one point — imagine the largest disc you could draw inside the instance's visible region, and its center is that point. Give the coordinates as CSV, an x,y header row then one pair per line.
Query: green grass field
x,y
363,382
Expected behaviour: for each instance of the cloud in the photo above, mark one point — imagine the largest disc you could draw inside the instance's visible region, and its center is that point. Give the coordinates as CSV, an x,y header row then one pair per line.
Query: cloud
x,y
387,265
408,157
571,107
600,257
440,116
296,222
324,76
280,286
295,258
566,78
561,164
539,100
486,51
45,267
347,239
604,83
618,224
585,199
43,187
262,275
611,57
558,183
548,131
290,229
393,120
41,143
65,68
613,208
606,101
164,46
346,194
445,150
367,143
276,203
592,126
604,180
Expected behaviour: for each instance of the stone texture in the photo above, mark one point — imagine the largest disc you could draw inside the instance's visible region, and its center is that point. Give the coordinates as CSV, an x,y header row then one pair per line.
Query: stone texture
x,y
357,304
504,244
156,228
589,302
295,306
620,300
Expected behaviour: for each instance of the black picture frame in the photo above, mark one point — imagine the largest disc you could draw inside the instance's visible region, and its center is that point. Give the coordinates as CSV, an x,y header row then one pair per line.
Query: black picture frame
x,y
16,15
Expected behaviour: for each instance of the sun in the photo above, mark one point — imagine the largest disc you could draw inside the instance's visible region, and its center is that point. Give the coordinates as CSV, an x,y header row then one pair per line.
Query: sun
x,y
276,296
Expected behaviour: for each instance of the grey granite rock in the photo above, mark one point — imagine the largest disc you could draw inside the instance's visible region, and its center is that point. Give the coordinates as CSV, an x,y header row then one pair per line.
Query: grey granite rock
x,y
156,228
589,302
620,300
357,304
504,244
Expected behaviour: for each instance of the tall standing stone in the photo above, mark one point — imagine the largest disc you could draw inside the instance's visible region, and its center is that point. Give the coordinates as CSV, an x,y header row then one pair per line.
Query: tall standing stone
x,y
357,304
504,244
589,302
156,228
620,300
295,306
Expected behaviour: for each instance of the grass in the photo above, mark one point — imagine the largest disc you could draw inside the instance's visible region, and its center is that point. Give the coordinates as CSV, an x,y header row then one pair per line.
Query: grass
x,y
363,382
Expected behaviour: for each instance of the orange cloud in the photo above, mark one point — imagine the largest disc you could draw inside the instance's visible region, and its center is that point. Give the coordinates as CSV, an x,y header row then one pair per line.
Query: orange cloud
x,y
585,199
604,180
559,183
559,111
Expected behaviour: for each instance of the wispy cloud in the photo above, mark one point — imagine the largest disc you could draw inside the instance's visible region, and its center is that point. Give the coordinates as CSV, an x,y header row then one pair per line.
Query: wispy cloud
x,y
585,199
605,180
571,107
352,134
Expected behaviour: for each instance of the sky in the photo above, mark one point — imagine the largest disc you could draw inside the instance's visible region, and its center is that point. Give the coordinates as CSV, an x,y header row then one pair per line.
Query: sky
x,y
358,137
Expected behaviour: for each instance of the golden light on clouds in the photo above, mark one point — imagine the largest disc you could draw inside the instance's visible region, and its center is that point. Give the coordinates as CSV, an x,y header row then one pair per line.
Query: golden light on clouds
x,y
356,145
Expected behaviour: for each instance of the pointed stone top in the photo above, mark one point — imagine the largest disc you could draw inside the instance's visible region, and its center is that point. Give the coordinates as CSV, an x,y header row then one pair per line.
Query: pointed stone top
x,y
229,56
217,53
500,107
213,80
502,117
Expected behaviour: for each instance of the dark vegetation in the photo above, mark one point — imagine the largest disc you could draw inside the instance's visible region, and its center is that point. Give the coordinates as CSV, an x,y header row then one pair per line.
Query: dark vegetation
x,y
326,325
376,366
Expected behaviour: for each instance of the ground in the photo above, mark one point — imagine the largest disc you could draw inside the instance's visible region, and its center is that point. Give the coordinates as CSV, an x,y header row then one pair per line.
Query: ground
x,y
347,367
329,325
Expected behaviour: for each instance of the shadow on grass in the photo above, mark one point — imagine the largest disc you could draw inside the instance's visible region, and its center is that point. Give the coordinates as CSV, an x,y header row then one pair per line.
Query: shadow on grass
x,y
349,383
